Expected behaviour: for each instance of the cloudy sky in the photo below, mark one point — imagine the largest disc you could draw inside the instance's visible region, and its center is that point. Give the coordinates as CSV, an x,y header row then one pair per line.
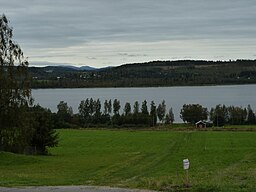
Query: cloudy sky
x,y
112,32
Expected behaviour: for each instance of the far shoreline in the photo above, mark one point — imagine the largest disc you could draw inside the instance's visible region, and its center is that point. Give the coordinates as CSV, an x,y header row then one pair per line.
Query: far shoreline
x,y
138,87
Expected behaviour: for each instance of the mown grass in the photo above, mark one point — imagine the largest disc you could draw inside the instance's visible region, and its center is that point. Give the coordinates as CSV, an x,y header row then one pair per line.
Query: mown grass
x,y
220,161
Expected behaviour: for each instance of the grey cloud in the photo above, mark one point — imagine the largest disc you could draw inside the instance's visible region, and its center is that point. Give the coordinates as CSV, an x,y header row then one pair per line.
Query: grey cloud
x,y
46,63
65,23
219,56
92,58
49,56
132,55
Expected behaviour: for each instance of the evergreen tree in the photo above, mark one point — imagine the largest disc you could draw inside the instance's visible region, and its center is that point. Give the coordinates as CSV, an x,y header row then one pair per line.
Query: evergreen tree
x,y
136,107
161,110
251,119
171,115
84,111
127,109
144,107
116,107
106,107
153,113
97,107
109,107
91,107
44,135
64,112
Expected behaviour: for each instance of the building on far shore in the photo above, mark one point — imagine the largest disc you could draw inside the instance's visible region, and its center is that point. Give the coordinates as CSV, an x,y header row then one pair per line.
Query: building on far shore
x,y
200,124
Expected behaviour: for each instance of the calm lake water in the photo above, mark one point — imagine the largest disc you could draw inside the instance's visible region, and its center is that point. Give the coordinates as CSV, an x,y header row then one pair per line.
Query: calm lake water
x,y
175,97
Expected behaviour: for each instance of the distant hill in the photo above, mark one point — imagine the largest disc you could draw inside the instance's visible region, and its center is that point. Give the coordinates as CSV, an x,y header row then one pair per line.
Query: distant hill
x,y
82,68
85,68
43,64
154,73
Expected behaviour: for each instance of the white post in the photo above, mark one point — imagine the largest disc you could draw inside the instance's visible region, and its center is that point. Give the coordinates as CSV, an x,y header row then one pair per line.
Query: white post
x,y
186,167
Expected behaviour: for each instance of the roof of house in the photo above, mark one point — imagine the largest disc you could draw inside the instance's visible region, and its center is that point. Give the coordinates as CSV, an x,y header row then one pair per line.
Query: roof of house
x,y
200,122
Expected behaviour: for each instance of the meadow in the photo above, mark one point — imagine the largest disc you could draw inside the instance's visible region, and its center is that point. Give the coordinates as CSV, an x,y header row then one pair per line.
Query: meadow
x,y
220,161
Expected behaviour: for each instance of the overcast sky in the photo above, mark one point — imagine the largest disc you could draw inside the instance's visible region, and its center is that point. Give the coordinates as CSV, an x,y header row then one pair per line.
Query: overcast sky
x,y
112,32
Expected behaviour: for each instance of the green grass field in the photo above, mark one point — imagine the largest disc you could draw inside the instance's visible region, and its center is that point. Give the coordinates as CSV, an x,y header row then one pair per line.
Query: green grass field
x,y
220,161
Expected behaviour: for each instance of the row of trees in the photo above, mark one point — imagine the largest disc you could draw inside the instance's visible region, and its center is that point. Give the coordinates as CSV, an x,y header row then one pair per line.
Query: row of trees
x,y
219,115
92,113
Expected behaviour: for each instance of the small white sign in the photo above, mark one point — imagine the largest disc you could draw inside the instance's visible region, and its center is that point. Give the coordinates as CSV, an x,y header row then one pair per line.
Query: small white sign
x,y
186,164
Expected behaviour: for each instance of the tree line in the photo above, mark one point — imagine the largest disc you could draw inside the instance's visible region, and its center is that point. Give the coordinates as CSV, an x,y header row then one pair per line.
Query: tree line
x,y
152,74
93,114
219,116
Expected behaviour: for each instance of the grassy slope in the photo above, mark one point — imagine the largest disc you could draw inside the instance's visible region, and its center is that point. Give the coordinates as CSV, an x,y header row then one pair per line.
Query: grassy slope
x,y
146,159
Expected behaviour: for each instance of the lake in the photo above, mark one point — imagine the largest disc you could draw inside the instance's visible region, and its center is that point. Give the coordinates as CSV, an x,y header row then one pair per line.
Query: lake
x,y
175,97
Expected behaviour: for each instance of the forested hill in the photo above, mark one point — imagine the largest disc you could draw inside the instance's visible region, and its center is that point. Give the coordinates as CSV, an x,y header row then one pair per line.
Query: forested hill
x,y
155,73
